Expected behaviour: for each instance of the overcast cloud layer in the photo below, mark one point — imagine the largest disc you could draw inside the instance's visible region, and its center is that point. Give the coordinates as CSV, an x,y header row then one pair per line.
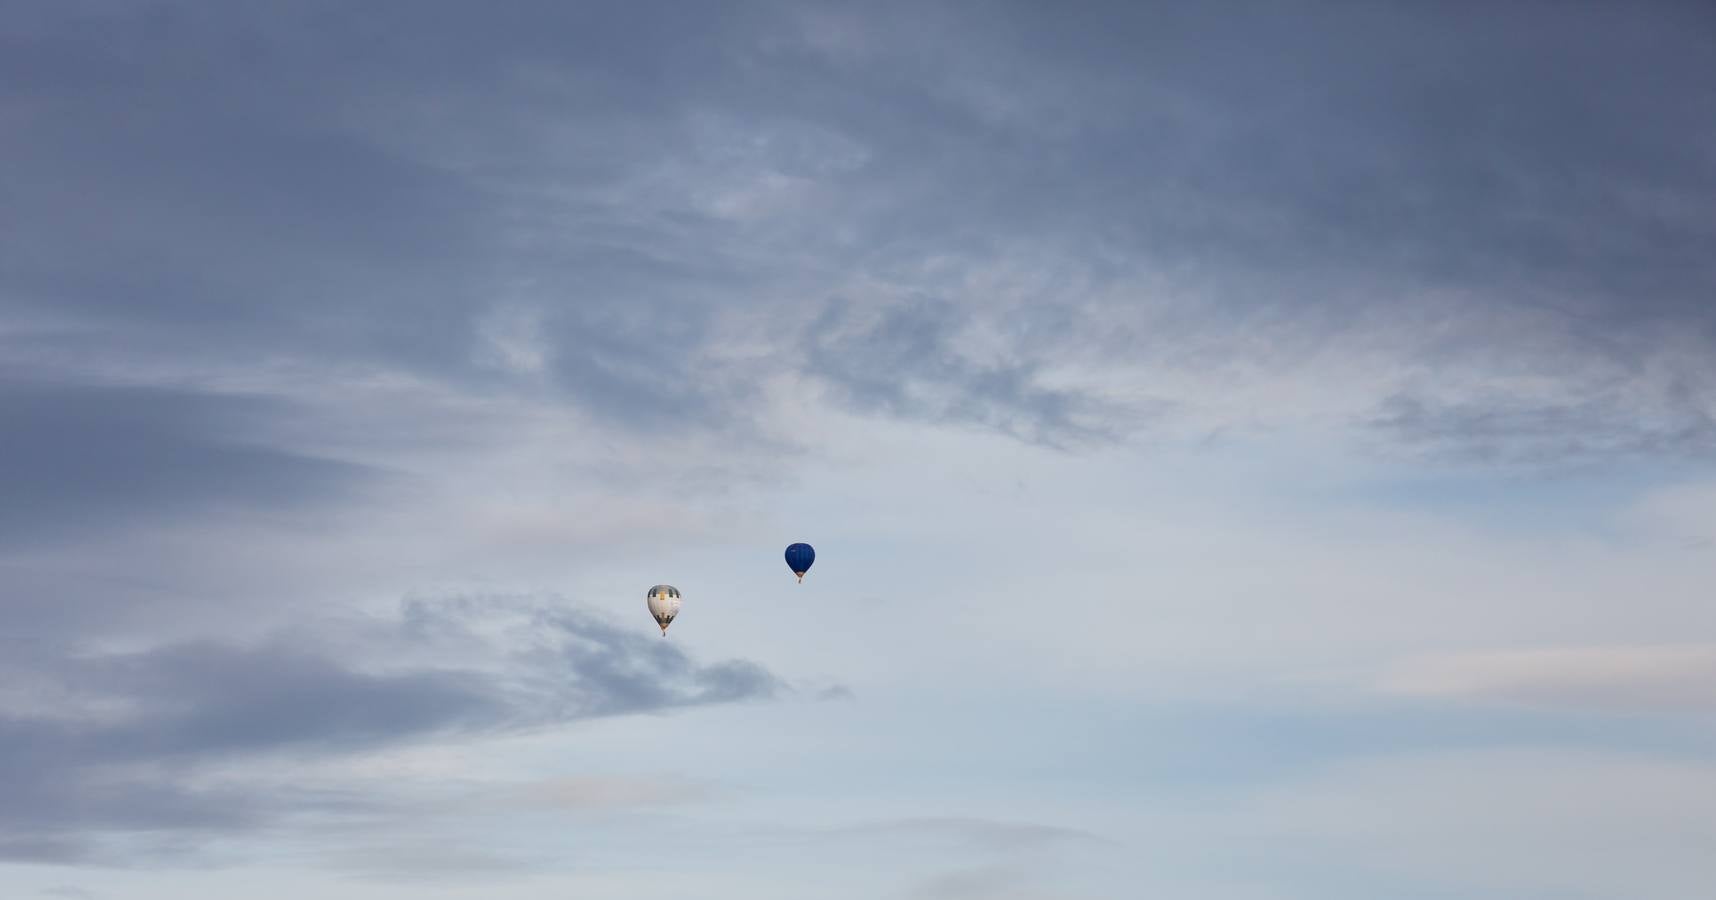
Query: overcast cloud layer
x,y
1254,450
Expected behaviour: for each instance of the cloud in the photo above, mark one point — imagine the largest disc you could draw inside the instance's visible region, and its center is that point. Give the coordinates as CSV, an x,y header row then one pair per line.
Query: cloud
x,y
909,361
601,283
1683,513
592,793
623,221
1573,432
85,458
69,892
427,860
131,740
1618,679
995,881
982,834
175,215
988,857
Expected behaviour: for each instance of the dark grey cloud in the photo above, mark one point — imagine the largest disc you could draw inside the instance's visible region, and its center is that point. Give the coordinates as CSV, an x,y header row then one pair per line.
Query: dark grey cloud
x,y
1318,169
370,185
908,363
231,185
93,745
1422,146
82,459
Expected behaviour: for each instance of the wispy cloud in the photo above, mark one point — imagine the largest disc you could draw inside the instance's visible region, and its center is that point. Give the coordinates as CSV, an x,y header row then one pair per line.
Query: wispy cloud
x,y
981,834
911,361
127,740
994,881
1553,433
69,892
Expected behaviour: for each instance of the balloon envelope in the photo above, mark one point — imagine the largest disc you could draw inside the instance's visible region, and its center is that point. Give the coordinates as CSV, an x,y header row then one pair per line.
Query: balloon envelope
x,y
799,557
663,602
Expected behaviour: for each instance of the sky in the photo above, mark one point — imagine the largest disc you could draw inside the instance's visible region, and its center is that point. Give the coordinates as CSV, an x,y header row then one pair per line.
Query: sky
x,y
1254,451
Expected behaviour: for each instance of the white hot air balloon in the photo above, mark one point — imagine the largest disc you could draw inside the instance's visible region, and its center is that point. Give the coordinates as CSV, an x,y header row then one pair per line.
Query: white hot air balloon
x,y
663,605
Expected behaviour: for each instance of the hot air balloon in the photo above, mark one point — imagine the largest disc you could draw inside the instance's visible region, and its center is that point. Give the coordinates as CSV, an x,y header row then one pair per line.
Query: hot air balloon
x,y
799,557
663,605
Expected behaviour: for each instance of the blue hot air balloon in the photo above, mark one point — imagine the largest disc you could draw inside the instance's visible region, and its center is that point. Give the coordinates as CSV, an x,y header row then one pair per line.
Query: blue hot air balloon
x,y
799,557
